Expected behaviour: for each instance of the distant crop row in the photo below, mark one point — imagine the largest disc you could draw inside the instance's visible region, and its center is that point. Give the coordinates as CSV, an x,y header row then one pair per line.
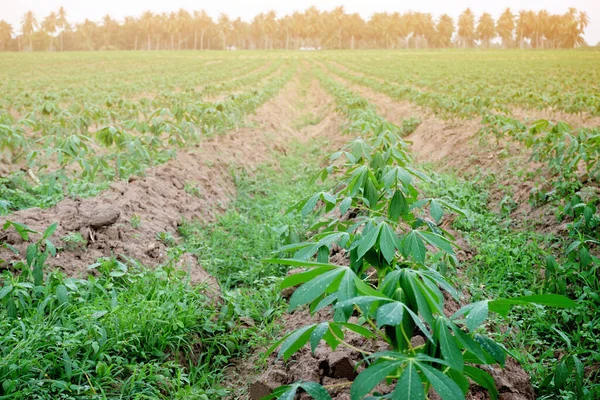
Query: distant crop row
x,y
88,141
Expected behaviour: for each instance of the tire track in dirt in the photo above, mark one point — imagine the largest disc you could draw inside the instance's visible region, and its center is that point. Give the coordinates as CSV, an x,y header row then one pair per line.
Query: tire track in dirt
x,y
197,184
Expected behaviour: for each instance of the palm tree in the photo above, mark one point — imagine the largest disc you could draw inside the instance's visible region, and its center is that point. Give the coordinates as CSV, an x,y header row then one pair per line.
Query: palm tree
x,y
6,32
28,25
62,24
423,28
224,28
147,24
466,28
355,25
131,27
184,22
49,25
485,29
505,27
108,25
201,22
445,29
270,26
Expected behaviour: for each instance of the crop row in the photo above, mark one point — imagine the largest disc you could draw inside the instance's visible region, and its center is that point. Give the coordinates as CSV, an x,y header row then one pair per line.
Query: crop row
x,y
128,138
570,87
393,286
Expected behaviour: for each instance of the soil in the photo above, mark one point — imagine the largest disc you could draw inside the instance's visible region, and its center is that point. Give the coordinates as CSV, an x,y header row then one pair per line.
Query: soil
x,y
445,144
163,198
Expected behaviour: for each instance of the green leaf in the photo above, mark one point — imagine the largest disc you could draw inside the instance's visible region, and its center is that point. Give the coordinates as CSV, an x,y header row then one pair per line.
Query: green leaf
x,y
62,294
347,290
298,263
314,288
492,348
503,306
345,205
5,290
370,377
483,379
409,386
436,211
444,386
414,246
296,279
317,391
50,230
368,240
398,206
476,314
390,314
438,241
295,341
387,242
450,349
317,335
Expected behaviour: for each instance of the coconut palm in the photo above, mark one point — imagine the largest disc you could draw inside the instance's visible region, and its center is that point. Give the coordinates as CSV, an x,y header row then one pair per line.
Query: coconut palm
x,y
466,28
202,23
49,25
444,29
225,27
486,29
147,24
505,27
28,25
355,25
6,32
62,24
108,27
184,22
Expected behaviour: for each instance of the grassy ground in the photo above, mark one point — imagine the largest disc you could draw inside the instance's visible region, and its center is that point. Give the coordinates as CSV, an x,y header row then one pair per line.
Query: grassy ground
x,y
147,333
510,262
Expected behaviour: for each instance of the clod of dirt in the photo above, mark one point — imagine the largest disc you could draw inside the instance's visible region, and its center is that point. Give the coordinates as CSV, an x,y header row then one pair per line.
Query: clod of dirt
x,y
104,216
340,365
260,389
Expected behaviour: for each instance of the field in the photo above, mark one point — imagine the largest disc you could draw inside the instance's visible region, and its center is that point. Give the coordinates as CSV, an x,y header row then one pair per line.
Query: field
x,y
327,225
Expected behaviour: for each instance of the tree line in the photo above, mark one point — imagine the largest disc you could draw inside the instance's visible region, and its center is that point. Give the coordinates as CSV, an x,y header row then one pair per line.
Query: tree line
x,y
335,29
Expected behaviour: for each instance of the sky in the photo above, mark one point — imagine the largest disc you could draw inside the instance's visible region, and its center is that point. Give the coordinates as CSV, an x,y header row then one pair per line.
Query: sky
x,y
78,10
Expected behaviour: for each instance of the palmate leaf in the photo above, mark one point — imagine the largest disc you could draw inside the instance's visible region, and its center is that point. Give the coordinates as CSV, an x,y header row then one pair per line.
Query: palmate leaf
x,y
483,379
475,314
388,242
370,377
295,341
390,314
409,386
413,246
450,350
503,306
398,206
368,240
314,288
442,384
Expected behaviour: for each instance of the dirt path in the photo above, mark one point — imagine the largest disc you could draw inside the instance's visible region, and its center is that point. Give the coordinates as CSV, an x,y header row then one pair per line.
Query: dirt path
x,y
126,219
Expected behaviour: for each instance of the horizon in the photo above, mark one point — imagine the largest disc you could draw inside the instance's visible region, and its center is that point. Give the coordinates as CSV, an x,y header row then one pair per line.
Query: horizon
x,y
79,11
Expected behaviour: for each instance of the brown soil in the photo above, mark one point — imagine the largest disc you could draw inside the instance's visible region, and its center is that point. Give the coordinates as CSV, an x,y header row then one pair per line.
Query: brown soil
x,y
162,198
435,141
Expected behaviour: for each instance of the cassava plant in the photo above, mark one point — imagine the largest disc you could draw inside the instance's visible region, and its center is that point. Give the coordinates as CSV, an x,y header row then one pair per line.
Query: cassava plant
x,y
393,235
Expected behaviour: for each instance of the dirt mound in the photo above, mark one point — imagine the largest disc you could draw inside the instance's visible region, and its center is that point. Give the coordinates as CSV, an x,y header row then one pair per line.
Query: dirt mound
x,y
337,370
139,217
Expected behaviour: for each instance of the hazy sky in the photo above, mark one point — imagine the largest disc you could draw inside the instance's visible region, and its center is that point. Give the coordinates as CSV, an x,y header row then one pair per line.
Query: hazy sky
x,y
78,10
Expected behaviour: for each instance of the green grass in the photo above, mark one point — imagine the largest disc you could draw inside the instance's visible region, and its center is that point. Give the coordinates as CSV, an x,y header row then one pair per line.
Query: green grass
x,y
508,262
135,333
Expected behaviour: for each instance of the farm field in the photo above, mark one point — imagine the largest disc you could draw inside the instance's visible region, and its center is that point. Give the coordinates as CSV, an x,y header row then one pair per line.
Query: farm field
x,y
328,225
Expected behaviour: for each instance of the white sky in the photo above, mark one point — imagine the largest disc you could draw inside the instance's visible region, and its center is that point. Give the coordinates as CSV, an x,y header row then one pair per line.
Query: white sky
x,y
78,10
